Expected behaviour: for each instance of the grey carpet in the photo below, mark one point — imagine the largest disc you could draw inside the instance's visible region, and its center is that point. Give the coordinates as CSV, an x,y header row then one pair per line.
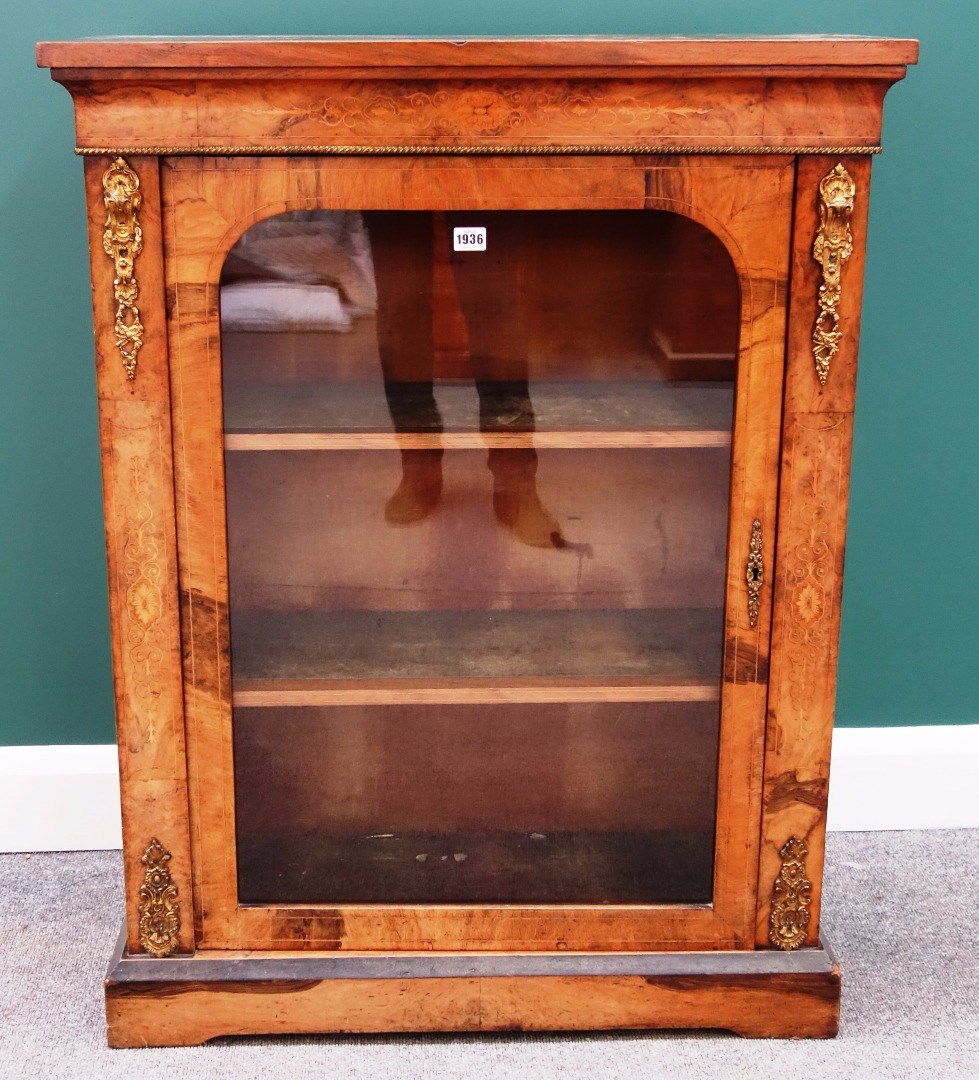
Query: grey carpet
x,y
900,912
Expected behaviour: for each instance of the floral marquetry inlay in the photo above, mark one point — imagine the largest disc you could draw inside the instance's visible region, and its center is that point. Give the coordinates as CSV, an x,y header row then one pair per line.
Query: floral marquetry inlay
x,y
808,602
144,600
485,110
810,576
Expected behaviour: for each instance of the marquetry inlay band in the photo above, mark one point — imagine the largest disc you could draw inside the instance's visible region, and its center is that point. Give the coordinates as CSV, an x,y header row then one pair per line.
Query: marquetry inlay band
x,y
463,151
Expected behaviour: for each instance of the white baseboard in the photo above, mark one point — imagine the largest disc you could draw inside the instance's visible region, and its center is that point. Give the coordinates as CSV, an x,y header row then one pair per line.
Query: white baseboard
x,y
59,798
65,798
904,778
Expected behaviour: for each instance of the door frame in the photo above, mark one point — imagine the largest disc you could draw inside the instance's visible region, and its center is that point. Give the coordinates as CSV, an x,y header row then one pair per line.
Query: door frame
x,y
207,203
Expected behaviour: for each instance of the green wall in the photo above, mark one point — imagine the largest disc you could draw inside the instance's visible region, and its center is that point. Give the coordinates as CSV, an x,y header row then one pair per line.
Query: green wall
x,y
909,650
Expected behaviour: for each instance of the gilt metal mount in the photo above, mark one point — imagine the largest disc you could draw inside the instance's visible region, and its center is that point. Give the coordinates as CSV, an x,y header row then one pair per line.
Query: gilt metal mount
x,y
833,246
159,911
123,241
754,573
791,897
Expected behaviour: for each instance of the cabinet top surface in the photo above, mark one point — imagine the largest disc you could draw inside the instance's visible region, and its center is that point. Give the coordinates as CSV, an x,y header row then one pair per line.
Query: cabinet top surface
x,y
113,53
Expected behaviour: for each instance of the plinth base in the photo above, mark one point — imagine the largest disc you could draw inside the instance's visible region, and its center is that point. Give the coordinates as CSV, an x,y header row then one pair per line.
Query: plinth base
x,y
186,1000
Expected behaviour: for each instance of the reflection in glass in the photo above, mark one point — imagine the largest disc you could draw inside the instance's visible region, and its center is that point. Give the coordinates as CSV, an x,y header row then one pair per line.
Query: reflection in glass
x,y
470,470
487,286
477,803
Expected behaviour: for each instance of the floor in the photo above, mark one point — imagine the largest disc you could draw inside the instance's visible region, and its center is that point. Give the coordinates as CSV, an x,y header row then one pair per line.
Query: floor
x,y
900,911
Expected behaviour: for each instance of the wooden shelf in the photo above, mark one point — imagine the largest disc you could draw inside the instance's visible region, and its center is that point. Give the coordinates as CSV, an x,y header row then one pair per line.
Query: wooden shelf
x,y
304,693
365,657
317,406
472,440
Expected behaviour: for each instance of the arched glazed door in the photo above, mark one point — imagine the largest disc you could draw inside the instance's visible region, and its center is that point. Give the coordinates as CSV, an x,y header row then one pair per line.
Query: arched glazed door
x,y
487,455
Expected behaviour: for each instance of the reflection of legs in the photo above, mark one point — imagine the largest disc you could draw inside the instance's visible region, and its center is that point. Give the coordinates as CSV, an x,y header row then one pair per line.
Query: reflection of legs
x,y
503,405
401,247
506,406
515,498
420,489
490,297
413,408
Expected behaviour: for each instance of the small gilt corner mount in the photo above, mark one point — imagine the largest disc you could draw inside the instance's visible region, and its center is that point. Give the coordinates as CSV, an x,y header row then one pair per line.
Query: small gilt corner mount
x,y
159,911
123,241
791,898
832,247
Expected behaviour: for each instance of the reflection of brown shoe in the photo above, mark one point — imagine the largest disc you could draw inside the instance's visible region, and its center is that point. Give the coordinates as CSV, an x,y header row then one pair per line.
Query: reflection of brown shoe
x,y
420,489
520,509
516,502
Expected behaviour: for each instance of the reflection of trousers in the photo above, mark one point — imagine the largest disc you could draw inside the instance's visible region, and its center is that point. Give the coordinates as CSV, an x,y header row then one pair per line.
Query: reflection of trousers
x,y
403,249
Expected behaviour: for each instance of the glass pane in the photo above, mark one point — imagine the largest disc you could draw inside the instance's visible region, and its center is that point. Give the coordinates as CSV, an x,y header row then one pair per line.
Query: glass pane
x,y
459,474
477,803
324,586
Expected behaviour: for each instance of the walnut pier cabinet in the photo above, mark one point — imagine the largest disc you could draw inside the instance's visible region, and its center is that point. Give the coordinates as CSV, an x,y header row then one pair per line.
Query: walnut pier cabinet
x,y
475,423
